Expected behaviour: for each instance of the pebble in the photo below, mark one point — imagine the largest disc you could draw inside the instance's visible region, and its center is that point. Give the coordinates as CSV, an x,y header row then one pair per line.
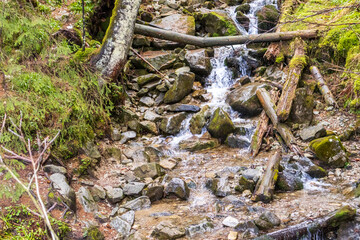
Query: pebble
x,y
230,222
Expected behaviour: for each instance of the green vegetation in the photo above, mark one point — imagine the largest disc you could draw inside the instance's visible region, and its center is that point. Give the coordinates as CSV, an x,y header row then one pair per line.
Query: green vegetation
x,y
20,223
47,84
340,39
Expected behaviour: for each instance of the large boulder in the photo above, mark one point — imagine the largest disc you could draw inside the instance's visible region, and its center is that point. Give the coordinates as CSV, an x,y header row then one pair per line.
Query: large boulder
x,y
182,87
199,61
302,107
171,125
199,120
220,125
330,151
245,101
87,200
177,187
267,18
216,24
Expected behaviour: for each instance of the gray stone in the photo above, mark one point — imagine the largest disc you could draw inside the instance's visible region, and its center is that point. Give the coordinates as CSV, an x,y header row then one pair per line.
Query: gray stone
x,y
219,186
177,187
158,59
182,87
267,220
98,192
230,222
290,179
182,70
302,107
87,200
147,101
114,195
133,188
153,153
182,108
148,126
122,224
151,116
220,125
91,150
115,134
169,164
199,120
54,169
126,136
310,133
171,125
148,170
166,230
236,141
251,174
137,204
199,61
155,192
202,227
60,184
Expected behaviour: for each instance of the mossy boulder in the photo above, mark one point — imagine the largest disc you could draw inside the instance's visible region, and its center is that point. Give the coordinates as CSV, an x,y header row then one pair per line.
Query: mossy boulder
x,y
216,24
315,171
330,151
243,20
182,87
289,180
302,108
244,8
197,144
142,80
220,125
199,120
245,101
267,18
171,125
93,233
233,2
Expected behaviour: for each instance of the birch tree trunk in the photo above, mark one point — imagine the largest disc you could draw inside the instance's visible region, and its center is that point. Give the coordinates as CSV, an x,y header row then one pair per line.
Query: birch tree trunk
x,y
118,38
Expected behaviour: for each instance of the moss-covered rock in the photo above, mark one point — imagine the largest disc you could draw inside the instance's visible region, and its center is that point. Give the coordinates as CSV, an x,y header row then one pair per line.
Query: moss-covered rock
x,y
216,24
330,151
233,2
197,144
93,233
316,171
244,8
142,80
245,184
220,125
182,87
151,170
289,180
199,120
171,125
267,18
243,20
302,108
245,101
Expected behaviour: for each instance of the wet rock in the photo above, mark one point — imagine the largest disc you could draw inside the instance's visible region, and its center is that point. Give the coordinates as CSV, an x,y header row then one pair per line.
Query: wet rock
x,y
244,8
142,80
194,144
313,132
267,18
171,125
137,204
230,222
219,186
233,200
330,151
87,200
289,180
237,141
245,184
122,224
267,220
182,87
349,231
233,2
148,170
54,169
177,187
151,116
155,192
249,229
126,136
92,151
147,16
158,59
148,126
220,125
243,20
302,108
216,24
98,193
199,61
146,101
169,164
202,227
154,154
251,174
274,73
199,120
133,188
114,195
166,230
182,108
60,184
245,101
315,171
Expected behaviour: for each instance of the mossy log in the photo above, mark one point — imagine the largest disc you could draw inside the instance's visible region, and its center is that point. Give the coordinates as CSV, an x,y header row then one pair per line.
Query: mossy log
x,y
221,41
265,188
296,66
312,227
117,41
324,89
261,128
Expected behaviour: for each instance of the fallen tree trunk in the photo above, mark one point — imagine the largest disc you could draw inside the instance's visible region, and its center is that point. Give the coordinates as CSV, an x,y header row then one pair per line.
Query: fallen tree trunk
x,y
221,41
324,89
113,53
297,64
313,227
282,129
265,188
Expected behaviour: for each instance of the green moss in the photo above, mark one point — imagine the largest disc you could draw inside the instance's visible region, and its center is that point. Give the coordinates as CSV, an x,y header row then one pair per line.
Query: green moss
x,y
344,213
298,61
84,56
280,58
93,233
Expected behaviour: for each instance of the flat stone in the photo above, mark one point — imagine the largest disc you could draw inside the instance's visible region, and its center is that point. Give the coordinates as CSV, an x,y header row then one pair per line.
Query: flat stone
x,y
148,170
87,200
267,220
54,169
147,101
201,227
60,184
114,195
138,203
313,132
98,192
230,222
133,188
168,163
151,116
123,223
182,108
149,127
167,230
251,174
126,136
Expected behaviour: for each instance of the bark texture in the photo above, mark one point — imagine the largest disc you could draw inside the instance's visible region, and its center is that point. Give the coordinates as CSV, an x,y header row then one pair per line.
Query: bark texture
x,y
117,41
324,89
296,66
265,188
221,41
310,228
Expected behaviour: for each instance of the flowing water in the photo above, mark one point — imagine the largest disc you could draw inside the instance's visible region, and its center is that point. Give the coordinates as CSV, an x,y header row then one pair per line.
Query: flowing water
x,y
195,168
